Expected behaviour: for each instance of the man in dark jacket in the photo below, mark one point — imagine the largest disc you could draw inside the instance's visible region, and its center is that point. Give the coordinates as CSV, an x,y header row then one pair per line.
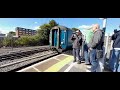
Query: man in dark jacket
x,y
95,44
77,42
114,60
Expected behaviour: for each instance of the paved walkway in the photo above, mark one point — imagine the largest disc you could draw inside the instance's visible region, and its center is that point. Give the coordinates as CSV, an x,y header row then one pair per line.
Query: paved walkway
x,y
59,63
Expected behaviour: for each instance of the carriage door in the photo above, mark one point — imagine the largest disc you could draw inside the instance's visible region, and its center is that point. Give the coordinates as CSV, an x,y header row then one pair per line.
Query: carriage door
x,y
63,39
55,37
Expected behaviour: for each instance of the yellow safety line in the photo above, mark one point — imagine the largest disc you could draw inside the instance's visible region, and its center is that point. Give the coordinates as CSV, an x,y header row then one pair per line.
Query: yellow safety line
x,y
56,67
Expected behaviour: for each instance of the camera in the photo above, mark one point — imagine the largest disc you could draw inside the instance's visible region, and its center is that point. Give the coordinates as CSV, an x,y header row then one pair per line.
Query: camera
x,y
115,31
74,34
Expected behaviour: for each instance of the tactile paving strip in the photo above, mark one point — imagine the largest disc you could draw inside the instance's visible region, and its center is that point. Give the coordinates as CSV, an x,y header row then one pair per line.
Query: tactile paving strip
x,y
46,65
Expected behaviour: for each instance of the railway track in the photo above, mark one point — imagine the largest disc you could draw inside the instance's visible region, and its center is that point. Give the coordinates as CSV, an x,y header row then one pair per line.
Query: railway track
x,y
16,60
26,61
4,51
21,53
28,58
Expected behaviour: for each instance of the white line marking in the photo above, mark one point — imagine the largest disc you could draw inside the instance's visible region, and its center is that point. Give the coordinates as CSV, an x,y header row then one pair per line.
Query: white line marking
x,y
55,57
37,64
36,69
68,69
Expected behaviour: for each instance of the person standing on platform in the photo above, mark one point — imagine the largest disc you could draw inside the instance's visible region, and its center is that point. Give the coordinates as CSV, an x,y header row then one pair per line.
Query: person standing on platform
x,y
77,43
96,49
88,36
114,60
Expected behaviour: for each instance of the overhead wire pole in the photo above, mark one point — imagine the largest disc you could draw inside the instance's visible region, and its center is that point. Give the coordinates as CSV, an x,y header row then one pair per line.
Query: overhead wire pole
x,y
104,24
104,30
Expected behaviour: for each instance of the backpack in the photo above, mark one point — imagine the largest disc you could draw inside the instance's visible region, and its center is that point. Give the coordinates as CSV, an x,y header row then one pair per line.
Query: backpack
x,y
80,41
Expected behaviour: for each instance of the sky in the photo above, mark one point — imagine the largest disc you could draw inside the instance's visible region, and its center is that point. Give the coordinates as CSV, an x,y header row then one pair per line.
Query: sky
x,y
9,24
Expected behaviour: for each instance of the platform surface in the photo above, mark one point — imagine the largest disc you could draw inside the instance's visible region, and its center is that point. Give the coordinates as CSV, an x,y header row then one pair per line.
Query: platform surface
x,y
59,63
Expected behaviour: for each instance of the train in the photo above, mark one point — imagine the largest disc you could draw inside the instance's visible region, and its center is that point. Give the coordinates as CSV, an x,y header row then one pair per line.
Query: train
x,y
59,38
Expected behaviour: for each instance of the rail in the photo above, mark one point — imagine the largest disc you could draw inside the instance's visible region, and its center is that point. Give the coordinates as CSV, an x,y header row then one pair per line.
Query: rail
x,y
26,61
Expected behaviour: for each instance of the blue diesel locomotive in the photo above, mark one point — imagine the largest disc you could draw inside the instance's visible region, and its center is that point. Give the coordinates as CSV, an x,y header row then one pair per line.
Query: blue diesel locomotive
x,y
60,38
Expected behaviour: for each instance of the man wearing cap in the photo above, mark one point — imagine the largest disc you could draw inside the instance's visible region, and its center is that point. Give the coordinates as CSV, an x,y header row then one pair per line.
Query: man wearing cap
x,y
77,42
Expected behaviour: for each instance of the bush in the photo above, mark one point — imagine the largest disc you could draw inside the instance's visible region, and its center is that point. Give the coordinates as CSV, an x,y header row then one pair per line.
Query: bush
x,y
7,41
42,38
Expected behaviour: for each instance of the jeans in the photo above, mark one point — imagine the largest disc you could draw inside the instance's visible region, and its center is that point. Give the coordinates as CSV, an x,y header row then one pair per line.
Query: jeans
x,y
100,66
118,70
76,53
97,65
111,61
101,61
93,60
86,54
114,60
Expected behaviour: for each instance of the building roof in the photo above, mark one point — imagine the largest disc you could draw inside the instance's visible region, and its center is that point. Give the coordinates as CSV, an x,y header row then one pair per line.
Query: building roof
x,y
17,28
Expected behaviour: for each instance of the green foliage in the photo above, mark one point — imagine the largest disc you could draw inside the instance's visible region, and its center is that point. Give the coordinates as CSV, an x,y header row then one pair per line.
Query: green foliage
x,y
7,41
53,23
42,38
23,41
44,31
75,29
11,33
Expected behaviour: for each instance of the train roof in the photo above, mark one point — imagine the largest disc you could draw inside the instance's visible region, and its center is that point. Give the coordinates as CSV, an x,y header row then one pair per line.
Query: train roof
x,y
61,27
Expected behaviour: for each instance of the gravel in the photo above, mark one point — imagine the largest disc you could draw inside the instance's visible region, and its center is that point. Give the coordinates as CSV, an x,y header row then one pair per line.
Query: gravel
x,y
21,64
9,50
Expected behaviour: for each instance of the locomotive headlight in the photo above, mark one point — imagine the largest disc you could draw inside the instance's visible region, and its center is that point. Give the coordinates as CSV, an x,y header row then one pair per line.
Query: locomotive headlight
x,y
61,42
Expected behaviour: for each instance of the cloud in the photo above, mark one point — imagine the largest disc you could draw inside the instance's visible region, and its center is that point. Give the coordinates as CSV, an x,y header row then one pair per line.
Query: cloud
x,y
35,22
4,31
37,27
85,26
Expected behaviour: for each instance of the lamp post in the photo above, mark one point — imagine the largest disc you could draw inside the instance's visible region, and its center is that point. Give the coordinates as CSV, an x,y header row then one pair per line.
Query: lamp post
x,y
104,30
104,23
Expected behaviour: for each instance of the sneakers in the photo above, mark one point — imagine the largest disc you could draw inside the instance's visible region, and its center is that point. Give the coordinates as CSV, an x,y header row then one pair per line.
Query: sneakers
x,y
88,67
74,61
79,62
87,63
88,70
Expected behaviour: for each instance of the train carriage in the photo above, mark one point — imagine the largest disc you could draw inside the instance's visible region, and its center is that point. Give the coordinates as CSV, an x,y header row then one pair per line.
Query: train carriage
x,y
60,38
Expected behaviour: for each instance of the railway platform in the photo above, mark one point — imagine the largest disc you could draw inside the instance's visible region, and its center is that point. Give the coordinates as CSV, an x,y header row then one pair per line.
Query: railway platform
x,y
59,63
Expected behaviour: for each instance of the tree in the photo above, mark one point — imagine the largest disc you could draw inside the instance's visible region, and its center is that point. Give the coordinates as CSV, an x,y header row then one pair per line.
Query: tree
x,y
12,33
23,41
44,31
75,29
52,23
7,41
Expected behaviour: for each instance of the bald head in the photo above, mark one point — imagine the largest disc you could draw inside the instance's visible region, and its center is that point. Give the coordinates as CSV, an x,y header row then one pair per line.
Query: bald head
x,y
96,27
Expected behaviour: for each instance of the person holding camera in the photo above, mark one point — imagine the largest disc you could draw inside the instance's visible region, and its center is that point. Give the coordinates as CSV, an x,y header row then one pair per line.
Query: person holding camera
x,y
77,43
